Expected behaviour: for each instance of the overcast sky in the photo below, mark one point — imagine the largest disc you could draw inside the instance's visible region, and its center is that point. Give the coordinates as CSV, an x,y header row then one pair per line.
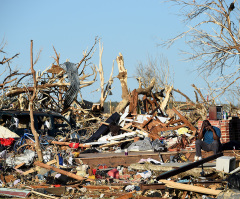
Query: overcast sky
x,y
132,27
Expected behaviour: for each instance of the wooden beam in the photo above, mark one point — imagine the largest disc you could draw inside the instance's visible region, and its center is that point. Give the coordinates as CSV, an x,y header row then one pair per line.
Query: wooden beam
x,y
102,187
133,102
127,125
193,188
67,144
18,166
44,195
127,196
147,121
69,174
185,121
113,160
157,129
145,187
114,143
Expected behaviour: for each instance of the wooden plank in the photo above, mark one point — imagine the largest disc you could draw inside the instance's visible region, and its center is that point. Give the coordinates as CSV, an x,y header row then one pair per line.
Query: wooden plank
x,y
172,121
153,136
18,166
157,129
188,187
51,162
145,187
29,171
57,191
133,102
114,143
185,121
126,196
127,125
115,160
44,195
147,121
69,174
39,186
34,169
102,187
139,127
152,103
67,144
145,197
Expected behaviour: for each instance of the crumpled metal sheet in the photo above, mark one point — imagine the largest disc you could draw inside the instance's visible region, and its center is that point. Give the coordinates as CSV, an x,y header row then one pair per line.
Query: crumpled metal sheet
x,y
73,78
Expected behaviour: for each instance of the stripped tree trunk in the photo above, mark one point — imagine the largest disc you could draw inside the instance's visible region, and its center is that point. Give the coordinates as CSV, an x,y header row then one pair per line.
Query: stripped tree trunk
x,y
122,76
31,99
107,90
166,99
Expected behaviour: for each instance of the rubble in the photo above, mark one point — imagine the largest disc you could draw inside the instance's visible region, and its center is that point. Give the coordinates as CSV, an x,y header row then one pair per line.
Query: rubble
x,y
64,164
67,151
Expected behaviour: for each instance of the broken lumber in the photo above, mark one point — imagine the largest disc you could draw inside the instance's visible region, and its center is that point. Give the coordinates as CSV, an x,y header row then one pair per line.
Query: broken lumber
x,y
114,143
67,144
29,171
133,98
102,187
188,187
185,121
34,169
69,174
44,195
18,166
144,187
124,129
127,196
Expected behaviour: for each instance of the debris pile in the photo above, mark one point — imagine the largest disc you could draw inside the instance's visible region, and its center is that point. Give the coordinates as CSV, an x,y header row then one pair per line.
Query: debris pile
x,y
53,146
123,158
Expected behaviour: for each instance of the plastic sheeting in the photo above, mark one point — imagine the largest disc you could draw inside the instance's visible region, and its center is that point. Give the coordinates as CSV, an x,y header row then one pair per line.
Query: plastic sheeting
x,y
26,158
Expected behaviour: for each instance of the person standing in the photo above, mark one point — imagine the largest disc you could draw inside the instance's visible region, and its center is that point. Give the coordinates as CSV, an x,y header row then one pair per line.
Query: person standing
x,y
208,139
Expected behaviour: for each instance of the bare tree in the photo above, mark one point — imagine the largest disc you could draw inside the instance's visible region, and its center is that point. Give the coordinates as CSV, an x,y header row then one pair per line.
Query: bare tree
x,y
5,59
157,68
213,38
104,91
52,82
31,99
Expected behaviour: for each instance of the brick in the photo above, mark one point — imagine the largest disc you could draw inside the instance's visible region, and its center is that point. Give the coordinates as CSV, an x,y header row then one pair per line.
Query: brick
x,y
225,136
225,133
